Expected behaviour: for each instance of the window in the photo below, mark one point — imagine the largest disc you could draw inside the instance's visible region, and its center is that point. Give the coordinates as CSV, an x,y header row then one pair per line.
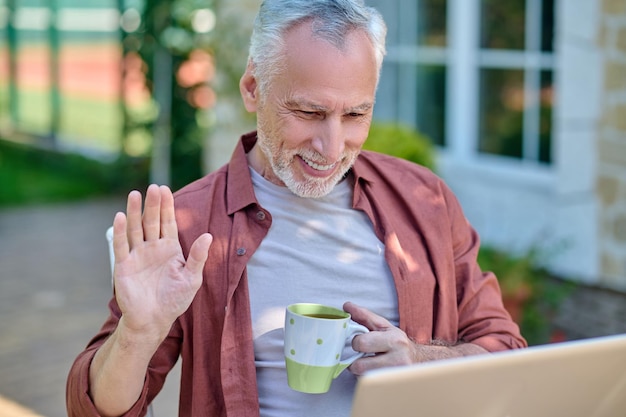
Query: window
x,y
516,86
413,85
473,75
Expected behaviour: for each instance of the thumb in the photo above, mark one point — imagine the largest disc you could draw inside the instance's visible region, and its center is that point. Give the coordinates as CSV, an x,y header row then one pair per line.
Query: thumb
x,y
365,317
198,253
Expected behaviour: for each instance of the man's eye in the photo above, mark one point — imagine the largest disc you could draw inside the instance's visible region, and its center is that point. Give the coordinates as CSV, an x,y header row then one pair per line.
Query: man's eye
x,y
355,115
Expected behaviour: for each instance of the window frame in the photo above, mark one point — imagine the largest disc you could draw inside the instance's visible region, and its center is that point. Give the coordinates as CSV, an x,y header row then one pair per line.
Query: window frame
x,y
463,59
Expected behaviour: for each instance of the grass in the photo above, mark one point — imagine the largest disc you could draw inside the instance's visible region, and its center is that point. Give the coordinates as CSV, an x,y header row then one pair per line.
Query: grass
x,y
34,176
84,122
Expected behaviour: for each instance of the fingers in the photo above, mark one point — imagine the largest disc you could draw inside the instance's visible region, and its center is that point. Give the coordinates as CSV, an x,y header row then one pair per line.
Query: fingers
x,y
198,254
157,220
365,317
151,219
368,363
386,344
120,241
390,347
377,340
168,219
134,227
380,341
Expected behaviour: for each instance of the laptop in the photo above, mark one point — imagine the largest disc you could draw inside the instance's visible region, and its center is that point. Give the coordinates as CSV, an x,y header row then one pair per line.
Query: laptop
x,y
584,378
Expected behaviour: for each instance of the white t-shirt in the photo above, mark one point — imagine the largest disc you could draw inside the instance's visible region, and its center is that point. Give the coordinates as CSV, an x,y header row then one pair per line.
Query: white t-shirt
x,y
318,251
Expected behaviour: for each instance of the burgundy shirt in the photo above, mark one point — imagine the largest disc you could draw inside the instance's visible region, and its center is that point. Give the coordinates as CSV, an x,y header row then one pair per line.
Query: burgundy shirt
x,y
430,247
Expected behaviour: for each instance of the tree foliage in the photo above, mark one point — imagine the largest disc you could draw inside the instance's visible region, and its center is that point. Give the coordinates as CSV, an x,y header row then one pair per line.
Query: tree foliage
x,y
176,43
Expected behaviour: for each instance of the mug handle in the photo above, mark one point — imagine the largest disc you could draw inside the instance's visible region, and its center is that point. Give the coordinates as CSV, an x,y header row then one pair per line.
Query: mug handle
x,y
354,329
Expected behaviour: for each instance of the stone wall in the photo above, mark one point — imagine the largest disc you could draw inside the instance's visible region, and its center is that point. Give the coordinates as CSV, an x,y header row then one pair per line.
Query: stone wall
x,y
599,310
611,183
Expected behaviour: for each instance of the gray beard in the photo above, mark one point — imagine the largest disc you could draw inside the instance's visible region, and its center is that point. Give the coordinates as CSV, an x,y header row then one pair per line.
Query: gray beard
x,y
310,188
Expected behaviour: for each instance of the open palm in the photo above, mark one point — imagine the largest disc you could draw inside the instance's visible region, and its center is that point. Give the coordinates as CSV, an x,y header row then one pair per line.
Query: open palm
x,y
154,283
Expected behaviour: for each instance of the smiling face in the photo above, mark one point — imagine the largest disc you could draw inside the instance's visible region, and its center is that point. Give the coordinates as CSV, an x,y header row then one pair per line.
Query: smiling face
x,y
315,115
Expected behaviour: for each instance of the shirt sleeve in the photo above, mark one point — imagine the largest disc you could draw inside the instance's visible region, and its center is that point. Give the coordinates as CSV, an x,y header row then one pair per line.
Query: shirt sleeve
x,y
482,318
78,398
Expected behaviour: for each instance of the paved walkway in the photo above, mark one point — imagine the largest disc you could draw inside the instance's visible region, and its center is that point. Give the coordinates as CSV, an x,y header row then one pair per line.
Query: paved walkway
x,y
54,289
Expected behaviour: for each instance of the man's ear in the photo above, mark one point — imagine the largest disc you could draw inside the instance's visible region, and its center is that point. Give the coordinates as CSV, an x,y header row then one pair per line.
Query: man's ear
x,y
248,88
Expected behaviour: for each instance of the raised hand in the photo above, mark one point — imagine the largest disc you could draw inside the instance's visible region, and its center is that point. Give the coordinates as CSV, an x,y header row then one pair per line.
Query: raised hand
x,y
154,283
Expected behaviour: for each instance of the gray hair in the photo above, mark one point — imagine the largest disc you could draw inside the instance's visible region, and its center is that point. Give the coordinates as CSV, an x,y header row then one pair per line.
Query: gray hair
x,y
332,21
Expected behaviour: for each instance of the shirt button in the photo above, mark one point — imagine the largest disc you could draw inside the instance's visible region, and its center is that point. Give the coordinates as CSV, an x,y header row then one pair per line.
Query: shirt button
x,y
241,251
260,215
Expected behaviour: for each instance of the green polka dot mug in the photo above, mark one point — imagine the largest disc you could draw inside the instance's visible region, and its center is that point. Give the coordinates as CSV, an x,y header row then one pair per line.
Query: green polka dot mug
x,y
315,336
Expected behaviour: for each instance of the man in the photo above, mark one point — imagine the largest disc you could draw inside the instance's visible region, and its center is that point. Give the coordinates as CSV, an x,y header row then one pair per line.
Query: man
x,y
299,214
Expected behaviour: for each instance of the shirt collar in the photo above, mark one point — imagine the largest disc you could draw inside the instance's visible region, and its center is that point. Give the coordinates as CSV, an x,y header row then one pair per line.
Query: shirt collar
x,y
240,192
362,169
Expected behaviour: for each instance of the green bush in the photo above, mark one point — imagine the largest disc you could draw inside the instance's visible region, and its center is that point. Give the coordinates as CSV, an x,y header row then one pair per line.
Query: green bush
x,y
31,175
522,281
401,141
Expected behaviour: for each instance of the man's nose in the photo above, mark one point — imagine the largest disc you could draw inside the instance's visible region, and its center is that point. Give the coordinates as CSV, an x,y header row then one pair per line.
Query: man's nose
x,y
329,140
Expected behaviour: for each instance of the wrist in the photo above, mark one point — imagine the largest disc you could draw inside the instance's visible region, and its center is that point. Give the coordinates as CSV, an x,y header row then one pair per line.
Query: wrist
x,y
140,339
439,349
435,350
